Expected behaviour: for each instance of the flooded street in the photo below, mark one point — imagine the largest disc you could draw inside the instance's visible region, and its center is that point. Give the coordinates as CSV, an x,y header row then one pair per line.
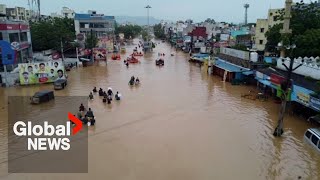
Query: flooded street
x,y
180,123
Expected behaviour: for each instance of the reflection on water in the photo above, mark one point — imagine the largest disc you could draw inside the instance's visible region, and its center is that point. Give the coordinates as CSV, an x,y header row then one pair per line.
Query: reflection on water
x,y
179,123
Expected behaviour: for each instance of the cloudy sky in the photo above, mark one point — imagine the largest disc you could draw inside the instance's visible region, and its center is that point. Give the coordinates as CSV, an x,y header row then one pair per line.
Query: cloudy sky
x,y
198,10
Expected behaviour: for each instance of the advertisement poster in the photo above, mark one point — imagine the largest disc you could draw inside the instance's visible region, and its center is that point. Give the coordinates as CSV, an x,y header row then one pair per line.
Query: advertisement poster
x,y
315,103
39,73
303,98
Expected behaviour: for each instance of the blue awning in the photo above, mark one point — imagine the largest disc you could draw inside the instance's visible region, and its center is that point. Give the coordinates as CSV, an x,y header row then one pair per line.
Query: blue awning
x,y
247,73
266,82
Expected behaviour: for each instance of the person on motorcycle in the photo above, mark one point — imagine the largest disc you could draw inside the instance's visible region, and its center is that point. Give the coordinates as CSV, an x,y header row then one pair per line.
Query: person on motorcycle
x,y
100,92
90,114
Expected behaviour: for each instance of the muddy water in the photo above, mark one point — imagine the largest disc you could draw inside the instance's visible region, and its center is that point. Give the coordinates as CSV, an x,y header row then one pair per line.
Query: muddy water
x,y
179,123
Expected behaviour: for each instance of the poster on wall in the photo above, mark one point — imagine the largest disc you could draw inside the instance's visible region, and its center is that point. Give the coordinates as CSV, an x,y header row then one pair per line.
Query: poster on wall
x,y
39,73
315,103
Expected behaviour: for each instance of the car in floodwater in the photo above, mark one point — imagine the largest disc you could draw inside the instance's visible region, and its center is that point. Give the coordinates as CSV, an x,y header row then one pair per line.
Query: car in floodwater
x,y
42,96
312,135
60,84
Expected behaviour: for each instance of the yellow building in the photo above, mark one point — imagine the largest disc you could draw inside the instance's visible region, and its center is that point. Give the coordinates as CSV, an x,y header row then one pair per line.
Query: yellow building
x,y
263,25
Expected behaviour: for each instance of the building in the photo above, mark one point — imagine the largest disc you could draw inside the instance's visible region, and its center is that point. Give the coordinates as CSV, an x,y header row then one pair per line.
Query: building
x,y
67,13
263,25
17,13
245,40
18,34
99,24
3,11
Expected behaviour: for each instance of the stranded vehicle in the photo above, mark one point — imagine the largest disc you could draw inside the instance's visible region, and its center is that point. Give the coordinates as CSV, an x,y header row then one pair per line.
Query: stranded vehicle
x,y
312,135
60,84
42,96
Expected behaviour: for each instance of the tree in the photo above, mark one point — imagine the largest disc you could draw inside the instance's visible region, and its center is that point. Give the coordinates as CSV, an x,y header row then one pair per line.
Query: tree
x,y
91,41
145,35
128,30
305,25
48,34
159,31
273,37
209,20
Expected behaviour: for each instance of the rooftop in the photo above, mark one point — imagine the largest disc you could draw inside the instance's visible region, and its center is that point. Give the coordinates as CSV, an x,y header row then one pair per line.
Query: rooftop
x,y
298,80
93,16
229,67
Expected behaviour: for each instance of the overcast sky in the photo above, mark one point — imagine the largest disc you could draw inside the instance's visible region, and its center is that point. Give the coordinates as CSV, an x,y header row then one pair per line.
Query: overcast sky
x,y
198,10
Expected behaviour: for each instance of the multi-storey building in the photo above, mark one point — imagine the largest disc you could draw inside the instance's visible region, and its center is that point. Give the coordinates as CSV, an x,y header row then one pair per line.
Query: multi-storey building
x,y
99,24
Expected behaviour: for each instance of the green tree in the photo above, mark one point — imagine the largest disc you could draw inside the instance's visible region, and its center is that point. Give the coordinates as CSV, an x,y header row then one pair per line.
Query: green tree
x,y
273,37
159,31
91,41
128,30
48,34
305,25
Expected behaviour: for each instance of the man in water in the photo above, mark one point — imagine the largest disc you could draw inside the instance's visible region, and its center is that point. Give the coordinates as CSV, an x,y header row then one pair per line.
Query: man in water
x,y
90,96
137,81
110,93
81,108
90,113
118,96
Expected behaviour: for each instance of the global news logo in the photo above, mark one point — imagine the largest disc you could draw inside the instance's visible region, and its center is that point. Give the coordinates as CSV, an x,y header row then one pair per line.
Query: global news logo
x,y
47,136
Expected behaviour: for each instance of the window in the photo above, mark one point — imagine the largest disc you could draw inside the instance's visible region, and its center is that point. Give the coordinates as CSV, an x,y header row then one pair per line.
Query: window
x,y
14,37
23,37
274,18
82,25
1,38
261,42
308,134
319,145
262,30
271,14
314,139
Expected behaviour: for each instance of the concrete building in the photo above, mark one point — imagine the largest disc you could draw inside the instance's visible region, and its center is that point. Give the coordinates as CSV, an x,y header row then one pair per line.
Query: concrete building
x,y
18,34
262,26
100,24
3,11
17,13
68,13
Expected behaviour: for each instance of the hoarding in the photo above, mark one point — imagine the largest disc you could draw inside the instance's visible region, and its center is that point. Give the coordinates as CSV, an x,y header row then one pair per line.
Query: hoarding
x,y
276,79
315,103
235,53
39,73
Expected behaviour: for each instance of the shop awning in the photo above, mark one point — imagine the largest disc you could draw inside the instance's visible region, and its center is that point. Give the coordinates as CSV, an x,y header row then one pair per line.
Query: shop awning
x,y
247,73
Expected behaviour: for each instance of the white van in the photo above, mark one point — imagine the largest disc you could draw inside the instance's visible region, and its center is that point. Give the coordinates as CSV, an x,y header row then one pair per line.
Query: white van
x,y
312,135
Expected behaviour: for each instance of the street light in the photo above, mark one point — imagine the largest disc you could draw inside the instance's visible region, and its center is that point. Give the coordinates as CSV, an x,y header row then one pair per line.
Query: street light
x,y
148,7
279,129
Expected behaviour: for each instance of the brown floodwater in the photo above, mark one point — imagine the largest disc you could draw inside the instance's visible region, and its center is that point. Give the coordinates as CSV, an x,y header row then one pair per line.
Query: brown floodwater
x,y
180,123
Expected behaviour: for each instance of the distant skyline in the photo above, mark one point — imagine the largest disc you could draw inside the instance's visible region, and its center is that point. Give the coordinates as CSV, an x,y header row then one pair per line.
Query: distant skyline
x,y
219,10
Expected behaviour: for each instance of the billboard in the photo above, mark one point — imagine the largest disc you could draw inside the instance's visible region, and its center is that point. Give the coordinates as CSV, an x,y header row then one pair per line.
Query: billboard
x,y
235,53
39,73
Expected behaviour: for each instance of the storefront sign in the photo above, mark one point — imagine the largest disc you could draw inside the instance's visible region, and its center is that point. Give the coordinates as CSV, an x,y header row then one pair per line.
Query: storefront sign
x,y
303,98
276,79
315,103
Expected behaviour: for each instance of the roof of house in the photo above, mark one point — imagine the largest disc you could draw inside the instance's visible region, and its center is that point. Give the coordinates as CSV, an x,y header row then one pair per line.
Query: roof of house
x,y
229,66
298,79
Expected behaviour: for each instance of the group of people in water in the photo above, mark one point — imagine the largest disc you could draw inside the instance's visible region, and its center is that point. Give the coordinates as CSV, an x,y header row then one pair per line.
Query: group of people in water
x,y
86,118
134,81
107,96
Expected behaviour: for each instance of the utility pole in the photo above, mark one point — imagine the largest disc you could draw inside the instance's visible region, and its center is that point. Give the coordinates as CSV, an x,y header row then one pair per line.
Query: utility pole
x,y
285,31
91,34
61,45
148,7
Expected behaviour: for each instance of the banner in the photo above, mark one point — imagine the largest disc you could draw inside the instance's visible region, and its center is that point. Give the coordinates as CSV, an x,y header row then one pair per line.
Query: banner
x,y
315,103
236,53
303,98
39,73
100,53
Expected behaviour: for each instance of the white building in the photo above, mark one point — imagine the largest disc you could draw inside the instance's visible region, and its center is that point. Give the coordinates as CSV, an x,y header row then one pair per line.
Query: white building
x,y
68,13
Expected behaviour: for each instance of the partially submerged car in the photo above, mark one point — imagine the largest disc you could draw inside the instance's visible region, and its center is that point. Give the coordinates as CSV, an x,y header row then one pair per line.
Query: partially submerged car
x,y
60,84
42,96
